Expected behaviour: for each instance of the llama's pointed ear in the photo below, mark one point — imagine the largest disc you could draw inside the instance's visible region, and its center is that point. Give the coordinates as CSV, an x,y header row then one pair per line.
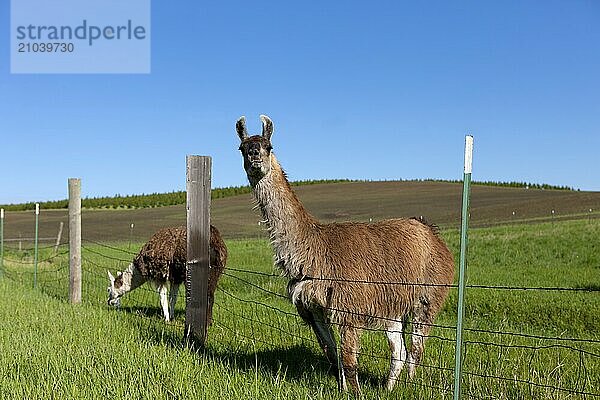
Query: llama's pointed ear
x,y
240,127
267,127
111,278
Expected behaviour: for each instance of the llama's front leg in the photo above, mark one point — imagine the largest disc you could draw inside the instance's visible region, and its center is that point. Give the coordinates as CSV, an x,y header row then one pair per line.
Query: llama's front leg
x,y
164,304
315,317
324,333
327,342
173,292
350,346
395,335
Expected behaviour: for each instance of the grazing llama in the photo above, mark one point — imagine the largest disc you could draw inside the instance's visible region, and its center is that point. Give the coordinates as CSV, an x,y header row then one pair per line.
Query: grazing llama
x,y
353,275
162,262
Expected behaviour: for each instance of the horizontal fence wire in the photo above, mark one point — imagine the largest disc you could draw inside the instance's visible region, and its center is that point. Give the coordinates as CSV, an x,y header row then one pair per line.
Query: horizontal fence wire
x,y
531,383
32,262
419,284
106,246
32,239
531,336
31,248
98,253
519,346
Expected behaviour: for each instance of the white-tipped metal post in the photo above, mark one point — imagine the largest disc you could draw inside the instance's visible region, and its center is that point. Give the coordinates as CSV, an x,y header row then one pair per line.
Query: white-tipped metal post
x,y
130,234
463,263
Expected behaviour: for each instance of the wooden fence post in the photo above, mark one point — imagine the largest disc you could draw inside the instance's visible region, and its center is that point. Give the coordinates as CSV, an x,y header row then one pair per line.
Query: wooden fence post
x,y
198,187
75,240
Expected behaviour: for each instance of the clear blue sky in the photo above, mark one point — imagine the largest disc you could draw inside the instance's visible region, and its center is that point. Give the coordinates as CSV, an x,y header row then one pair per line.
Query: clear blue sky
x,y
366,90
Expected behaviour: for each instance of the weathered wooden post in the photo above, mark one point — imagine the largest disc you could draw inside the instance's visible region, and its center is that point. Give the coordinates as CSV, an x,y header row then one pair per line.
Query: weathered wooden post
x,y
75,240
198,187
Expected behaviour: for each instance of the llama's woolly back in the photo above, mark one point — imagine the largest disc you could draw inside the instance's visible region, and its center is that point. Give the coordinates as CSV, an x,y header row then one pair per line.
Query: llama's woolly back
x,y
163,255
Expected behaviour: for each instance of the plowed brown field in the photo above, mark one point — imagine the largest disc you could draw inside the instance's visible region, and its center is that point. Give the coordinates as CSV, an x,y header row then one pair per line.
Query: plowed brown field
x,y
440,203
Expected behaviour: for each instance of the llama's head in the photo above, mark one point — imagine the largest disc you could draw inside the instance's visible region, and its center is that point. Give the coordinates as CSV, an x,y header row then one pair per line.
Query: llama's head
x,y
116,289
256,150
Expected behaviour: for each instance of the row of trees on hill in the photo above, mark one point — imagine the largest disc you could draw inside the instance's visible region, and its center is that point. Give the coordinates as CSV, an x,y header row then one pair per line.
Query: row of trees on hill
x,y
149,200
179,197
513,184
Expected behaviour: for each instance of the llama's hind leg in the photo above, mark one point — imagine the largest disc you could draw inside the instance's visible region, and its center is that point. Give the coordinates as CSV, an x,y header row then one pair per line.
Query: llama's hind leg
x,y
350,347
316,317
324,333
322,328
173,292
421,325
395,335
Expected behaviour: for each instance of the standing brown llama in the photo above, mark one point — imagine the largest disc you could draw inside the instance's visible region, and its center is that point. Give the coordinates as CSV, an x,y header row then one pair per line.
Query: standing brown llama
x,y
353,275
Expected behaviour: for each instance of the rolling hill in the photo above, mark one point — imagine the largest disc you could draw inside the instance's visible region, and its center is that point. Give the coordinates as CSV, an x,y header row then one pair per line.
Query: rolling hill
x,y
439,202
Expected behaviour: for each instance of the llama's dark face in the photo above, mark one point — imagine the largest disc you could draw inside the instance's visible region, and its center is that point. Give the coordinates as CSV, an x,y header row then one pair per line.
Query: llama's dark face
x,y
256,150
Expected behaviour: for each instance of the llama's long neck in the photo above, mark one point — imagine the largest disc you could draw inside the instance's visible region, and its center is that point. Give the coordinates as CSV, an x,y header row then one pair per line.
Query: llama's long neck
x,y
132,279
290,225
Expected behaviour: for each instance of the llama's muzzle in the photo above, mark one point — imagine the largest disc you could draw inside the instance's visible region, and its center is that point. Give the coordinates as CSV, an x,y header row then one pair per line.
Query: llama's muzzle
x,y
114,302
256,163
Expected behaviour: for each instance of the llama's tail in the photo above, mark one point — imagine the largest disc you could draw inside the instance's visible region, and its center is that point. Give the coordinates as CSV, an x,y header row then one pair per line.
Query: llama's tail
x,y
434,228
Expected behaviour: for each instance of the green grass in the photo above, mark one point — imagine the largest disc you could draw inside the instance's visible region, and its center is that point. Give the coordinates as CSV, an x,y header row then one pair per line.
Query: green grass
x,y
258,348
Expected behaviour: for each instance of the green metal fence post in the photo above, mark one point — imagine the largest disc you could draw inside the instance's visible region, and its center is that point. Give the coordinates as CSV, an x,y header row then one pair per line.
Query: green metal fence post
x,y
463,264
1,241
35,252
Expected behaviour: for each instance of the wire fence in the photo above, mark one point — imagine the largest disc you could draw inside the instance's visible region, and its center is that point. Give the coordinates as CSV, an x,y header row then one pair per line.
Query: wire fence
x,y
254,321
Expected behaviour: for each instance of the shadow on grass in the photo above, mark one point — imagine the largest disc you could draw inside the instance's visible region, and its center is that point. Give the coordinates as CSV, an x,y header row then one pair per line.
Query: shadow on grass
x,y
297,363
146,312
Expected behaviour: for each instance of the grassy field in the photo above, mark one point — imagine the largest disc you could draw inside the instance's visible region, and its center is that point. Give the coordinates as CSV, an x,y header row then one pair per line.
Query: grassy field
x,y
516,340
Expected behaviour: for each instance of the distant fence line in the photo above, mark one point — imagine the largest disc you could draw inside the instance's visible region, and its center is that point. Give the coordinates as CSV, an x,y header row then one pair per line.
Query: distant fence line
x,y
26,239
